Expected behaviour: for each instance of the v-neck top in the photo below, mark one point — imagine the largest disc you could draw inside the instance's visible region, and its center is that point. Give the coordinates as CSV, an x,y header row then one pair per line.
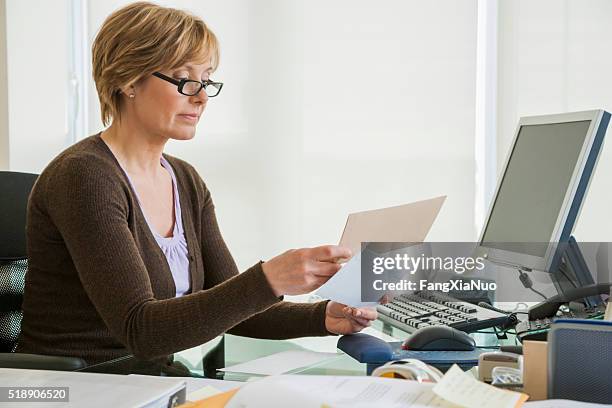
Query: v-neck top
x,y
174,247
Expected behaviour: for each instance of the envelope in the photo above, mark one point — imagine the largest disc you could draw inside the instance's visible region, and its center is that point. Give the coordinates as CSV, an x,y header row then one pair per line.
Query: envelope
x,y
402,223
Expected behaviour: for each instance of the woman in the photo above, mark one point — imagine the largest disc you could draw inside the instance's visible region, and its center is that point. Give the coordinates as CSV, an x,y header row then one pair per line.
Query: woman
x,y
125,254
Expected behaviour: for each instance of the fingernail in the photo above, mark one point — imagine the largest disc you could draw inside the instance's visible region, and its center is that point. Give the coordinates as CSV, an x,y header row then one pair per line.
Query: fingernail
x,y
357,313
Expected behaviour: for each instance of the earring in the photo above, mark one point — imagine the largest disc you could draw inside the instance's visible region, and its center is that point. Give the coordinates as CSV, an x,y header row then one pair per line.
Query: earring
x,y
131,95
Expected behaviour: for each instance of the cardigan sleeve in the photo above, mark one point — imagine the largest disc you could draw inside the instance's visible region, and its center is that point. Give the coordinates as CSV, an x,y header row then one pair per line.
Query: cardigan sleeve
x,y
90,207
283,320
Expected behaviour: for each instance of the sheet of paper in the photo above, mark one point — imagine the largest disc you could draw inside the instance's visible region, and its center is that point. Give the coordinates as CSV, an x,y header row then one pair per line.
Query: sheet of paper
x,y
464,389
320,344
280,363
329,344
202,393
313,391
345,285
198,388
378,334
192,357
402,223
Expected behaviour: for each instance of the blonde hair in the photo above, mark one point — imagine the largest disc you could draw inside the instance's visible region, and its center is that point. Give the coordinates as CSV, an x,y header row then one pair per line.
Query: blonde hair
x,y
142,38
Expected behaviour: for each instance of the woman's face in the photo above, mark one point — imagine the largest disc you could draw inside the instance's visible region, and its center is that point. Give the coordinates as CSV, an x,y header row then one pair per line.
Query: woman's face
x,y
159,108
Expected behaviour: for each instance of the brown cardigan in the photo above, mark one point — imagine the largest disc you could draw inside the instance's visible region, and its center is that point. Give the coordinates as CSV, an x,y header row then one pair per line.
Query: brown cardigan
x,y
98,285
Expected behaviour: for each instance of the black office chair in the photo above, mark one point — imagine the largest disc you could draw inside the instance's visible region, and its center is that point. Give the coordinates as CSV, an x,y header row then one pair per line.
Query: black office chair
x,y
14,192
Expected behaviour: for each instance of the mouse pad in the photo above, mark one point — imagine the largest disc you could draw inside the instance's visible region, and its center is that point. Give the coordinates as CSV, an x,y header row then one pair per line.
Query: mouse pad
x,y
369,349
463,358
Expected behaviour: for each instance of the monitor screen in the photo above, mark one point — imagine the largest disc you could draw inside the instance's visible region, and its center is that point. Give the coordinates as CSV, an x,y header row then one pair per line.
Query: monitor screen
x,y
533,187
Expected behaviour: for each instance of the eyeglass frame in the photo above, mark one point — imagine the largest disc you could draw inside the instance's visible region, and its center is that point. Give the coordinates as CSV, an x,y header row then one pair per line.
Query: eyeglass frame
x,y
180,83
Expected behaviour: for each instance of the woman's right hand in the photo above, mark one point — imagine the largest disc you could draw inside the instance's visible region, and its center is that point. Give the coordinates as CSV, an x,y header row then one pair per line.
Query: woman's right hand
x,y
300,271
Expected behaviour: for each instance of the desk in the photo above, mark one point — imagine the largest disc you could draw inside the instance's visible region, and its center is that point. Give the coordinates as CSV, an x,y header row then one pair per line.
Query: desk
x,y
204,360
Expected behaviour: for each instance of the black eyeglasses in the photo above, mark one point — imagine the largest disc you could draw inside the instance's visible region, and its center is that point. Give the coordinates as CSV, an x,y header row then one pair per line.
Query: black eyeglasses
x,y
191,87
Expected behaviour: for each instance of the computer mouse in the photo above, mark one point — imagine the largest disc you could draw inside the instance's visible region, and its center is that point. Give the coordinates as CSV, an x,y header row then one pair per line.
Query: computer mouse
x,y
439,338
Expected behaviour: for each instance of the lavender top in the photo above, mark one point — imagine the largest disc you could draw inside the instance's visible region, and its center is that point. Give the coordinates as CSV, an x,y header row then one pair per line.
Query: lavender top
x,y
174,247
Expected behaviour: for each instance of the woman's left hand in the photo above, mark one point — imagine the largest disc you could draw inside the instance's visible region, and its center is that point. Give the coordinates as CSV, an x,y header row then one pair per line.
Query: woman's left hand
x,y
342,319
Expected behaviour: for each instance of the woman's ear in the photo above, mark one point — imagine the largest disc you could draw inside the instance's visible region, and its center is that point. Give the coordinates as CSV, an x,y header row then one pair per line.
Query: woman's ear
x,y
128,91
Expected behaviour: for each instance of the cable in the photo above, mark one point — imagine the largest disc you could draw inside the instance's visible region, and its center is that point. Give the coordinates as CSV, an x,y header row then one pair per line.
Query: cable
x,y
539,293
526,306
510,322
491,307
527,283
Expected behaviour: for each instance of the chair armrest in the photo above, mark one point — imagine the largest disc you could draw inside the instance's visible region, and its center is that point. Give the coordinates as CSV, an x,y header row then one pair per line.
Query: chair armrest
x,y
40,362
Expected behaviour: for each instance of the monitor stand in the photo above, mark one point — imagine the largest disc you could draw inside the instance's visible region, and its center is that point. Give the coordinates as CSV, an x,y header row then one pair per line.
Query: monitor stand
x,y
573,281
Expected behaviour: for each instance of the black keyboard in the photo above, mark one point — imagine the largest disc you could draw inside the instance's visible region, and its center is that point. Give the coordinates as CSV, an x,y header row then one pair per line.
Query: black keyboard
x,y
409,312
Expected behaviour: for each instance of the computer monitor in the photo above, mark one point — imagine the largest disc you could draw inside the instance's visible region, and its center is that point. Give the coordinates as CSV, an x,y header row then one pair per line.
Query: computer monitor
x,y
541,190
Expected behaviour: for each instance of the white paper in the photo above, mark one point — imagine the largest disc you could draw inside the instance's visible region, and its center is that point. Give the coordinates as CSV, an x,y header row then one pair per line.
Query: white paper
x,y
280,363
378,334
465,390
320,344
312,391
402,223
329,344
199,388
345,286
202,393
95,390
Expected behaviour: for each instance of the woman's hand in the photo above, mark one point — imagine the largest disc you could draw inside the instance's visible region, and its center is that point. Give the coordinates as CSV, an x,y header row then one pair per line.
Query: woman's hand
x,y
300,271
342,319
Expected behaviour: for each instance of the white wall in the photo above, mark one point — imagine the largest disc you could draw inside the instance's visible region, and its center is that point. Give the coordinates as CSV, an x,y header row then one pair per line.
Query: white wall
x,y
554,57
4,130
37,82
328,108
332,107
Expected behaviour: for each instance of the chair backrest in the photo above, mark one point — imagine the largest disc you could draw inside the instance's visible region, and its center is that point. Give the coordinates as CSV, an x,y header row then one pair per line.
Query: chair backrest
x,y
15,190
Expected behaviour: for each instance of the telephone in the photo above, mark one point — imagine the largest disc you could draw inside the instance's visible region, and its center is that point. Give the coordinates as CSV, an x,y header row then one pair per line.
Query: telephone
x,y
564,305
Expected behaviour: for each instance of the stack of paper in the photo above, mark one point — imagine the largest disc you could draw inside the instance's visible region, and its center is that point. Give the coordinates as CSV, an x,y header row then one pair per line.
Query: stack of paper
x,y
97,390
456,389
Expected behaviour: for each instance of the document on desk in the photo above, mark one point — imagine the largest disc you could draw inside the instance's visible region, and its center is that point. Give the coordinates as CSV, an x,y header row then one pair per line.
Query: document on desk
x,y
199,388
98,390
313,391
281,363
464,389
404,223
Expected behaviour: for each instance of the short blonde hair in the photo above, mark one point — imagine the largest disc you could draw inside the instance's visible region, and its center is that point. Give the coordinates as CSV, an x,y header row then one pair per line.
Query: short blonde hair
x,y
142,38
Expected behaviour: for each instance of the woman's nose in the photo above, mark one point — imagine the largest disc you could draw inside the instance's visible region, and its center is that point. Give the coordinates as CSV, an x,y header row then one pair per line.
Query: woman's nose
x,y
201,97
